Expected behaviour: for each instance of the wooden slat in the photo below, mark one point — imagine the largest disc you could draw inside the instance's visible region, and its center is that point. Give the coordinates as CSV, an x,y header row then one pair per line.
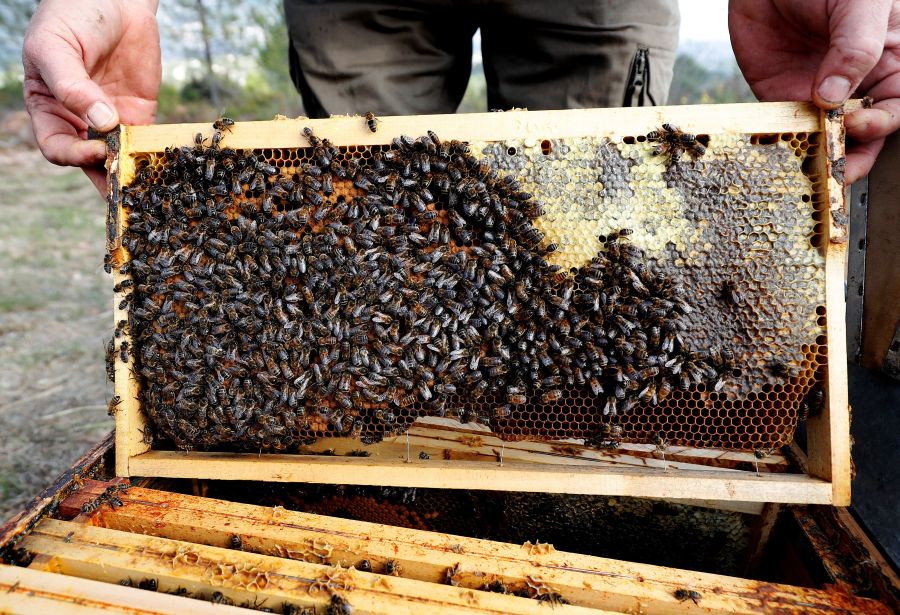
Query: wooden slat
x,y
828,434
341,130
110,555
427,556
462,474
25,591
446,438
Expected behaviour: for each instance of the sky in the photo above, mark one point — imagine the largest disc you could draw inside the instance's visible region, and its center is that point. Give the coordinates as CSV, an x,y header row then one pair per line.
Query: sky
x,y
704,20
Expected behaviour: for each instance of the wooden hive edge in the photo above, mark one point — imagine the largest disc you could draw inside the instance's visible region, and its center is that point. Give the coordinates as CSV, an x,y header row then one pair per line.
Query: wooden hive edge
x,y
352,130
464,474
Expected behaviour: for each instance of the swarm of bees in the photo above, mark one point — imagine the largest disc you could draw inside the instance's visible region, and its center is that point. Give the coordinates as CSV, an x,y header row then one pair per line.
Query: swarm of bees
x,y
672,141
349,297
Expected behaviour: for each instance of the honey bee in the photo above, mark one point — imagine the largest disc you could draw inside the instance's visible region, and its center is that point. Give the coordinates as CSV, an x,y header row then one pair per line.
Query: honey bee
x,y
812,403
551,396
731,294
392,568
235,542
149,584
662,444
372,121
311,137
682,594
783,368
338,606
671,140
223,124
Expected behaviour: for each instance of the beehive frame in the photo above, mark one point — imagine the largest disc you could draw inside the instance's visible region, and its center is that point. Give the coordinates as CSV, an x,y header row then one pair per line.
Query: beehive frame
x,y
828,433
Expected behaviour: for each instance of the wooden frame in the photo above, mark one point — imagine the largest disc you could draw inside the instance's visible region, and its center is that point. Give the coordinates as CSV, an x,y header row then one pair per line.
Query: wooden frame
x,y
828,480
182,541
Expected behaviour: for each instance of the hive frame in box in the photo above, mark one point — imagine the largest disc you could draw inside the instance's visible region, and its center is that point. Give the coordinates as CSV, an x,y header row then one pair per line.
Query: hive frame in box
x,y
828,480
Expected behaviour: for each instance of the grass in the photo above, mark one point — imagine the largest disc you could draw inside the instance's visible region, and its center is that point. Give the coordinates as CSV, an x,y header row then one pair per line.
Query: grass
x,y
55,310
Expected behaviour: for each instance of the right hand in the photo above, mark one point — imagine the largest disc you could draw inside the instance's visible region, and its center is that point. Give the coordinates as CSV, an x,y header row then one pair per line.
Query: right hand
x,y
89,63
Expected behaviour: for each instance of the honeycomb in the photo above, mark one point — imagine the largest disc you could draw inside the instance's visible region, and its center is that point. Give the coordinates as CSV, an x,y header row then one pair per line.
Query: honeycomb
x,y
747,213
745,219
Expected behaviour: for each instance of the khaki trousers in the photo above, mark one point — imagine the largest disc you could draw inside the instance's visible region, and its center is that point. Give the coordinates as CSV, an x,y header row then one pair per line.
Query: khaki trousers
x,y
414,57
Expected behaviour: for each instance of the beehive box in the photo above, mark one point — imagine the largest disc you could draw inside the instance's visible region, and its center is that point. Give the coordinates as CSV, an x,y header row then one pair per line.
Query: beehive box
x,y
761,214
96,555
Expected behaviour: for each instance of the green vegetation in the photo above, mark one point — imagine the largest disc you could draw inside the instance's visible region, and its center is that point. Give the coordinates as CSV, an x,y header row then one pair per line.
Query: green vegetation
x,y
696,84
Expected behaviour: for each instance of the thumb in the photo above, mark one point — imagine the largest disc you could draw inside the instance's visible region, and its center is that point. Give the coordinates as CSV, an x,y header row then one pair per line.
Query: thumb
x,y
63,71
857,32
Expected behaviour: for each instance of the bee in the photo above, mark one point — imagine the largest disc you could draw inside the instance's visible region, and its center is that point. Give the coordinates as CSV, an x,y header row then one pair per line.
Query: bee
x,y
311,137
662,444
123,351
552,598
783,368
372,121
223,124
392,568
89,507
338,606
364,565
149,584
551,396
671,140
220,598
812,403
292,609
235,542
113,405
762,453
731,294
682,594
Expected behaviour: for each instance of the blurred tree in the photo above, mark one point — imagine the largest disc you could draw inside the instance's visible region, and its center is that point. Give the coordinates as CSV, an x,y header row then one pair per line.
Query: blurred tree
x,y
272,59
208,32
693,83
205,35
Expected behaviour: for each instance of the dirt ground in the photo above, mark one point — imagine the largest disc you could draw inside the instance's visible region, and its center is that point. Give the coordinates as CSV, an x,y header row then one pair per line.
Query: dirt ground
x,y
55,310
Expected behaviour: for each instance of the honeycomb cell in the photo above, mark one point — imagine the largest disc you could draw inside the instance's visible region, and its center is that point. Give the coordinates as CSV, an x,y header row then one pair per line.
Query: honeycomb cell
x,y
746,213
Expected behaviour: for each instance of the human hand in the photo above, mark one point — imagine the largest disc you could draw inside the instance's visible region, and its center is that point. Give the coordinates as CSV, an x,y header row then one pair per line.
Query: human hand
x,y
89,63
824,50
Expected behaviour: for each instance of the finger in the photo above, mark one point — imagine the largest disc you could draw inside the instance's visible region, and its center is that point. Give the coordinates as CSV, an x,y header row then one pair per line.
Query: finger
x,y
62,69
860,159
59,140
879,121
857,33
98,178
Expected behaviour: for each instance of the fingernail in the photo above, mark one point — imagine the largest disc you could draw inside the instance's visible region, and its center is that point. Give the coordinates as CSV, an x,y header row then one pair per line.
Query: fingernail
x,y
834,89
100,115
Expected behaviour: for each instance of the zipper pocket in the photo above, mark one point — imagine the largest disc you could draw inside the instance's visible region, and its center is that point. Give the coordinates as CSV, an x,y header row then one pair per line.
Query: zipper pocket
x,y
638,83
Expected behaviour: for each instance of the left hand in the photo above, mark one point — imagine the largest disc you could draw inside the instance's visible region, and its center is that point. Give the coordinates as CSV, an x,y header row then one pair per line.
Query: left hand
x,y
824,51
